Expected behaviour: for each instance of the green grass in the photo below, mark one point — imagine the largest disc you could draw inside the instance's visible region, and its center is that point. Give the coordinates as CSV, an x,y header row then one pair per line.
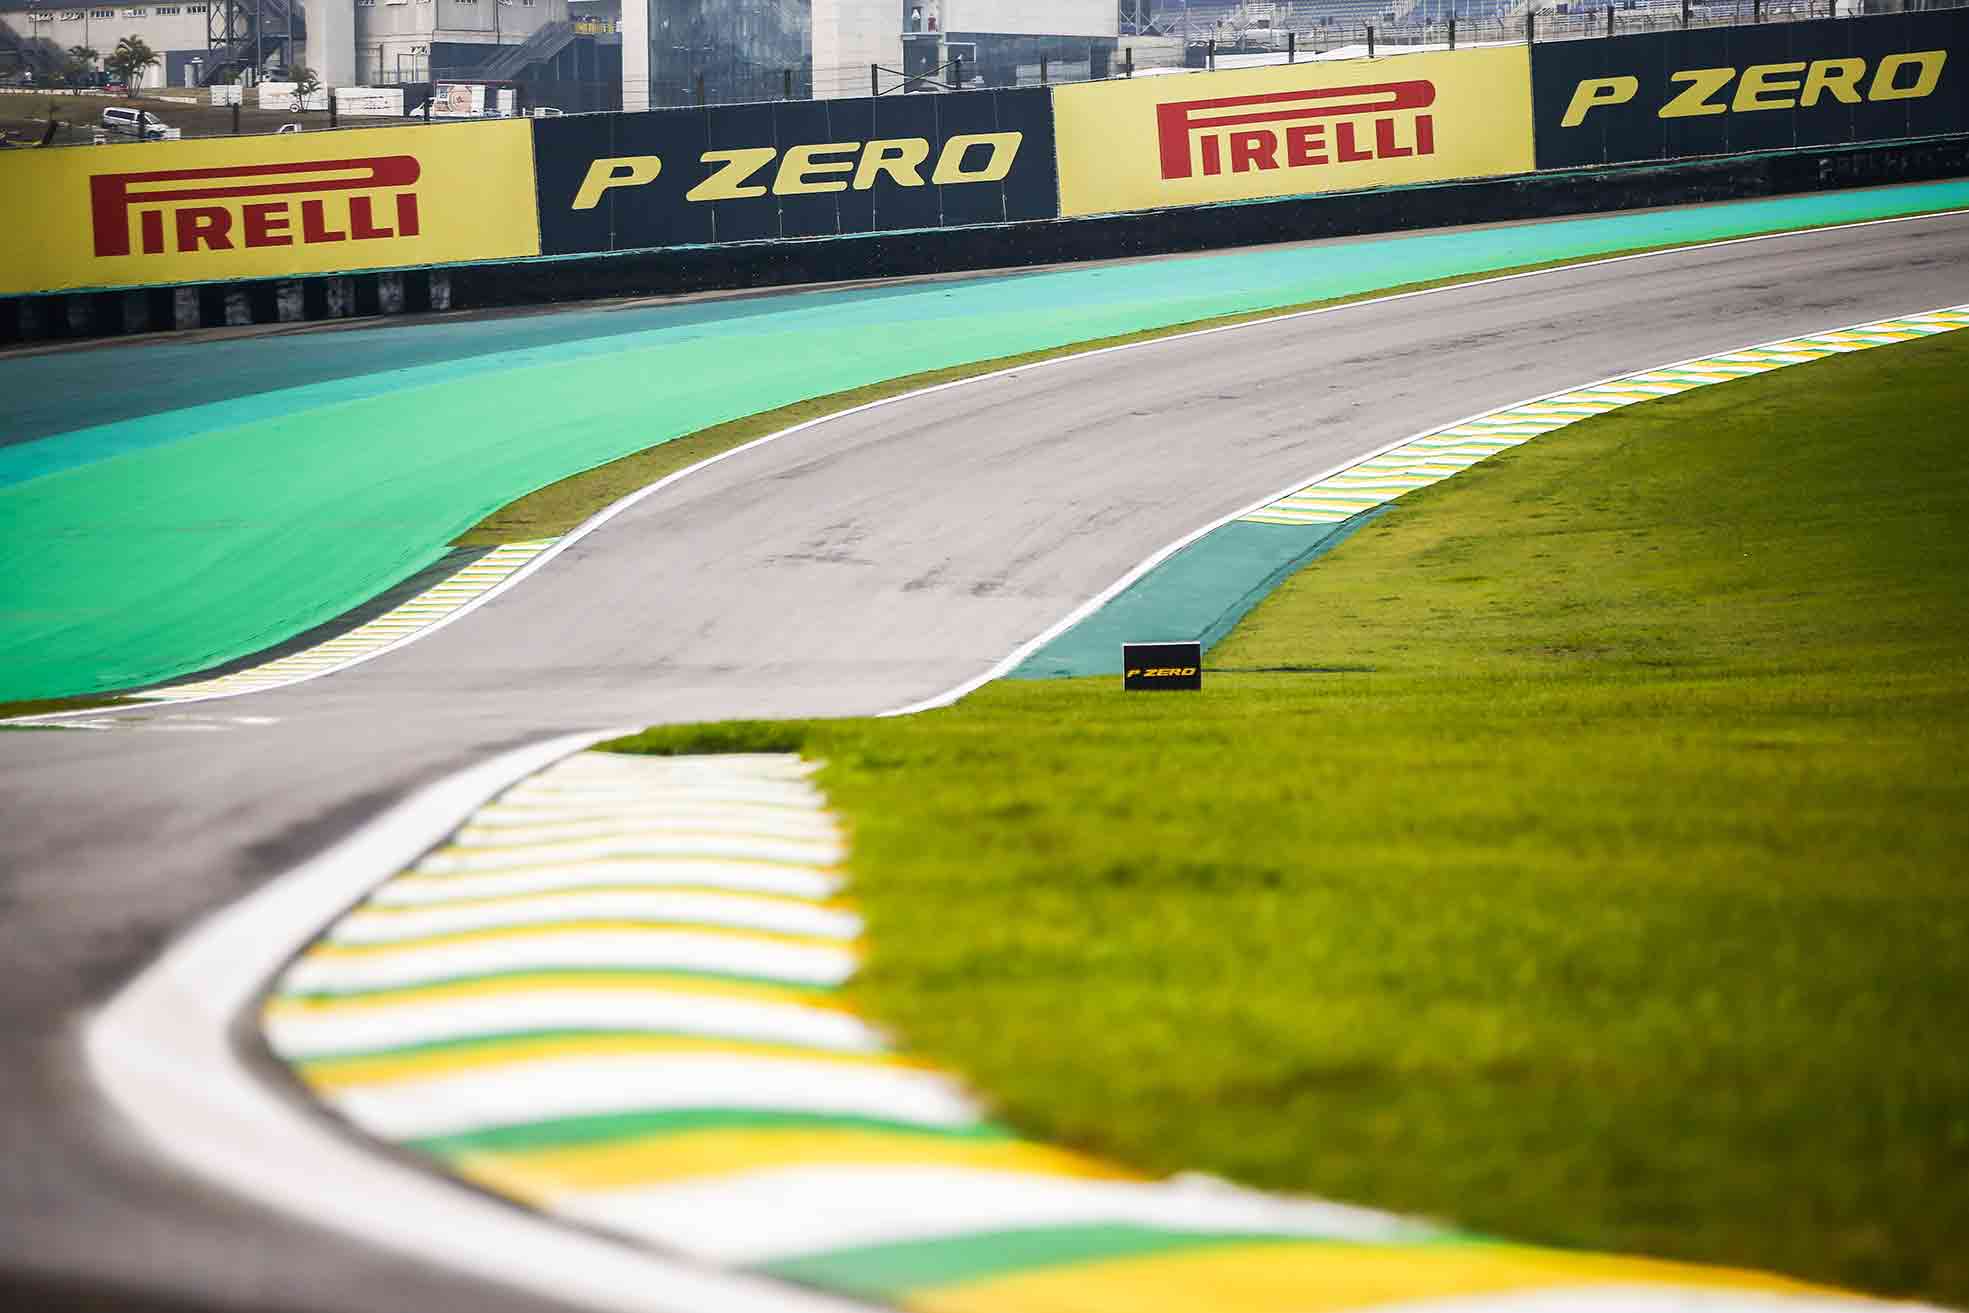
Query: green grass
x,y
1619,901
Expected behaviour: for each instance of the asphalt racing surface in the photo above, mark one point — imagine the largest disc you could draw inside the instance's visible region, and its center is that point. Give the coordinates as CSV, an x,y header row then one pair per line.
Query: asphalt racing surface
x,y
859,566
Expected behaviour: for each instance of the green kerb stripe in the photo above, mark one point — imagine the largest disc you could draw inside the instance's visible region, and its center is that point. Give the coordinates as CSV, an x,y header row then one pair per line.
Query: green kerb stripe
x,y
893,1271
492,1040
572,1132
597,975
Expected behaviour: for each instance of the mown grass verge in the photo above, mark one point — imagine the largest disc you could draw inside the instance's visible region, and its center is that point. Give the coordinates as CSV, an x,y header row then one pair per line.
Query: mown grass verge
x,y
1620,901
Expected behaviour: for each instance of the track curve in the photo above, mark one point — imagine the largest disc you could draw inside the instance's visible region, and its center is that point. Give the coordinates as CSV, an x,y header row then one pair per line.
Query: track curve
x,y
874,561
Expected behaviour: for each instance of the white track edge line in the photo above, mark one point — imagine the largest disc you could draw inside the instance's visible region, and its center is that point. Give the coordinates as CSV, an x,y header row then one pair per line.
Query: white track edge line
x,y
609,512
161,1052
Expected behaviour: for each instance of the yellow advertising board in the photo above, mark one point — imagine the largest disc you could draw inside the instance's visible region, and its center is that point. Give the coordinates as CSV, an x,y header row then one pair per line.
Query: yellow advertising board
x,y
258,207
1290,130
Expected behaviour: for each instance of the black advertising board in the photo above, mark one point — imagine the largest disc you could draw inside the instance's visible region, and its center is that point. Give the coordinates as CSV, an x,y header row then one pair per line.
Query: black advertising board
x,y
1726,90
800,168
1155,666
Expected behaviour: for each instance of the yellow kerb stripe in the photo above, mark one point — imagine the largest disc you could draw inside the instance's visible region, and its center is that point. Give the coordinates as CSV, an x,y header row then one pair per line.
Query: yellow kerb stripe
x,y
544,981
1312,1278
541,1176
388,1069
375,909
508,934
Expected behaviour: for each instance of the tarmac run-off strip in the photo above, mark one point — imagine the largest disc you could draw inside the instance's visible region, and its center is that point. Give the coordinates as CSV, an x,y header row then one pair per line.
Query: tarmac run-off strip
x,y
614,996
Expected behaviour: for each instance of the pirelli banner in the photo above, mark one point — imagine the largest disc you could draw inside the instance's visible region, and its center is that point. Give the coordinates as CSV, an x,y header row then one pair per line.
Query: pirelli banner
x,y
1290,130
1727,90
741,173
258,207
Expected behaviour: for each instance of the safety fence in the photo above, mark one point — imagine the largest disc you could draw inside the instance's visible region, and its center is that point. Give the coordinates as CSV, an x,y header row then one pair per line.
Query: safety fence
x,y
233,209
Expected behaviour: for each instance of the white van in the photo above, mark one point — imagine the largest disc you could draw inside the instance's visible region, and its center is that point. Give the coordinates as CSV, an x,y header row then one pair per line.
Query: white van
x,y
117,119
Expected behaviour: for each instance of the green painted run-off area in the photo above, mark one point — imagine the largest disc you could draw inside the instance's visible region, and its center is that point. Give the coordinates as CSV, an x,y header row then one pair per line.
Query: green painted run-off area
x,y
174,531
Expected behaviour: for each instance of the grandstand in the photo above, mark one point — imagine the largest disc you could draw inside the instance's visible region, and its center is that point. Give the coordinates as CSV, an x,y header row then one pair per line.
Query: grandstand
x,y
1257,21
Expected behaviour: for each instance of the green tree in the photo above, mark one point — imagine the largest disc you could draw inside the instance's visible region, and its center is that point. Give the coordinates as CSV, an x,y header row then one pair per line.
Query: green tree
x,y
130,59
306,83
79,60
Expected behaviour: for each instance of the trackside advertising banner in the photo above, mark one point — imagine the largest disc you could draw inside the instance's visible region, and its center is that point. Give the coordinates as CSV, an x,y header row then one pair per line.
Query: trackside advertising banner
x,y
1291,130
1726,90
735,173
255,207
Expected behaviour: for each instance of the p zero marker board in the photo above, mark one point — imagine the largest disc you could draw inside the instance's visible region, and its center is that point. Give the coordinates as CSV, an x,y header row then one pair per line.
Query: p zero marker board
x,y
1147,143
1724,90
260,207
794,169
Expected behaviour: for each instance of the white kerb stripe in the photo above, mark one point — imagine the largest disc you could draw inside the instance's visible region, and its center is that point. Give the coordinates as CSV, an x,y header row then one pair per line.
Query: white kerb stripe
x,y
573,950
778,915
761,1217
756,877
298,1034
525,1092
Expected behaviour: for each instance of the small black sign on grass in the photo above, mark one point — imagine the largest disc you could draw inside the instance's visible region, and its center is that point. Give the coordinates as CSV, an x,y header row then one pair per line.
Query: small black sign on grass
x,y
1156,666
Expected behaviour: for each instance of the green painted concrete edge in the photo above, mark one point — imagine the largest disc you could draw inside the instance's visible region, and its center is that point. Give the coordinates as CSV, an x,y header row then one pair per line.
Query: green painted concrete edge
x,y
894,1271
610,1128
1199,594
245,527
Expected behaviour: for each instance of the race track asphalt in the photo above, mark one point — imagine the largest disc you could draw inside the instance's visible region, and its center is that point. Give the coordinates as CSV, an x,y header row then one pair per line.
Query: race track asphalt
x,y
862,565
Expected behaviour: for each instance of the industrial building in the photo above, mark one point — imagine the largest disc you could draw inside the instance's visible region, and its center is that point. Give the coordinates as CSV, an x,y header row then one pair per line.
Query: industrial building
x,y
592,54
196,42
749,49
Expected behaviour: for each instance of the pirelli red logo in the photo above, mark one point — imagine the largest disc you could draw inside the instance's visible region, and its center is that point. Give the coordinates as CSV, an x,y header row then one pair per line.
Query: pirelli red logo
x,y
1296,129
180,211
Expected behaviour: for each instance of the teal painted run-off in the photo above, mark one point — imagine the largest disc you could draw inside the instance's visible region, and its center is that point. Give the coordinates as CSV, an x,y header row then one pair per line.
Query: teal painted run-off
x,y
1199,594
188,531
